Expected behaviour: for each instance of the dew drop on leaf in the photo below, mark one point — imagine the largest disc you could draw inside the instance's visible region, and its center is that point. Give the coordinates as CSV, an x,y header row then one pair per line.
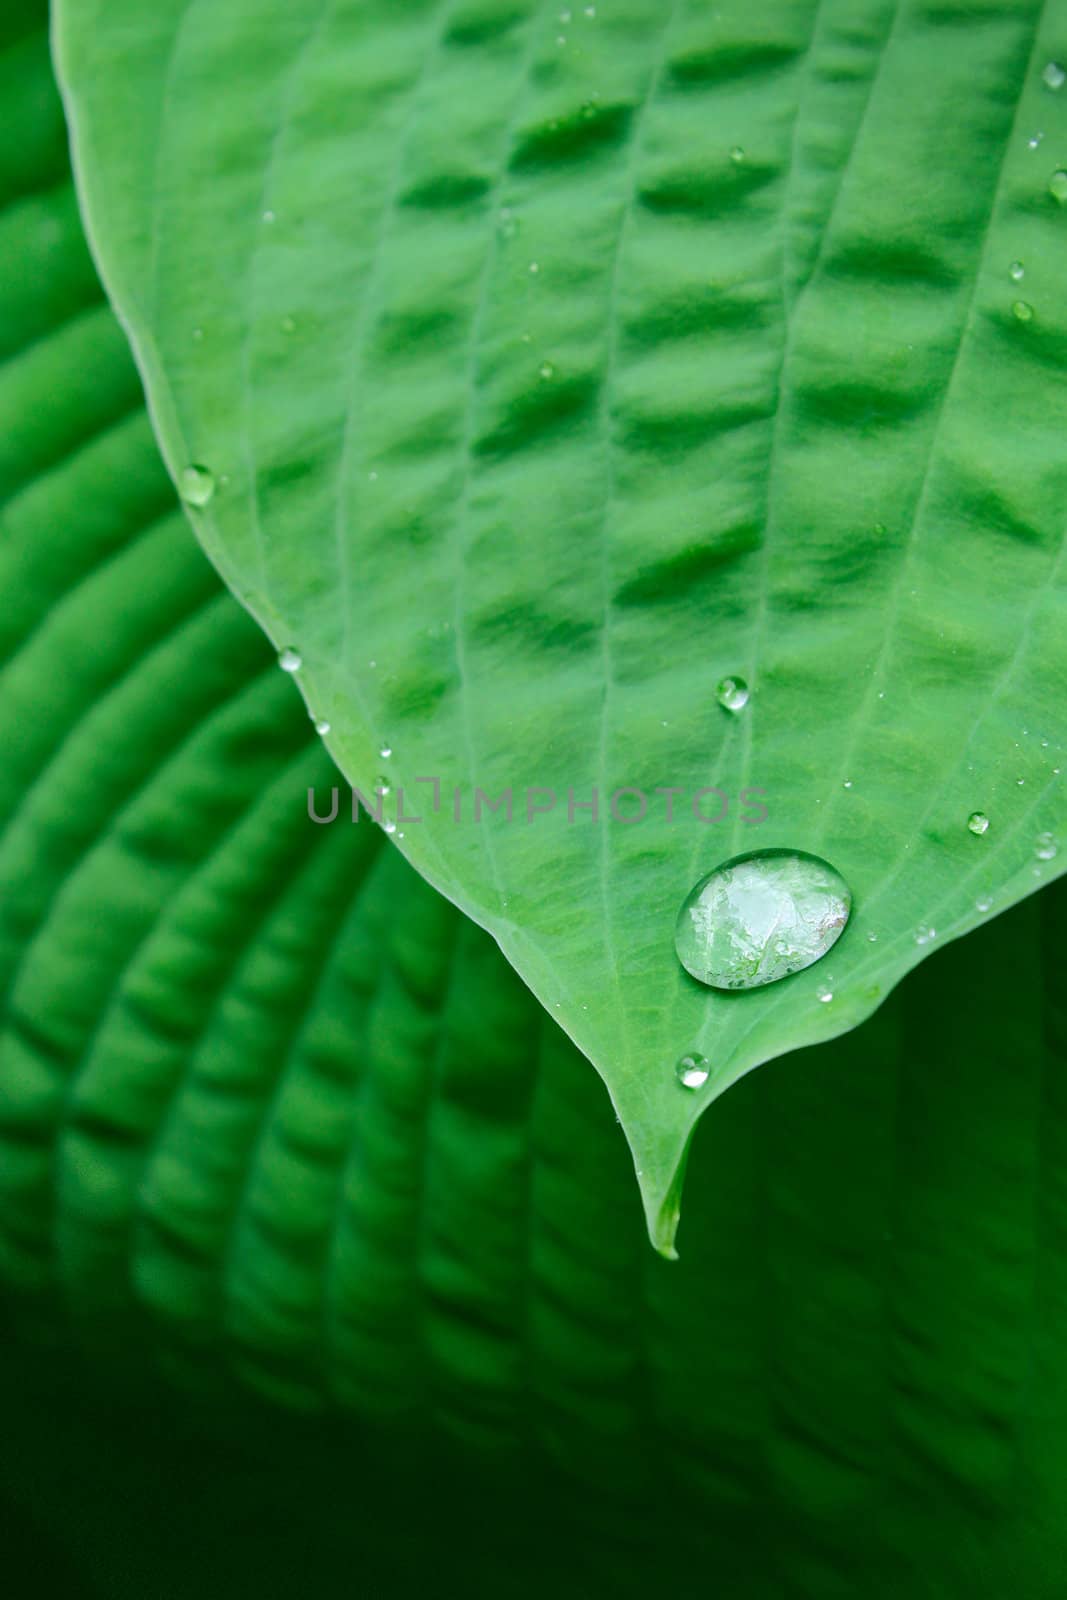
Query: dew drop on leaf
x,y
737,155
1022,311
983,903
390,827
196,485
1046,846
1016,271
760,917
322,727
1054,75
547,370
692,1071
386,751
290,660
732,693
924,934
1057,186
978,822
824,993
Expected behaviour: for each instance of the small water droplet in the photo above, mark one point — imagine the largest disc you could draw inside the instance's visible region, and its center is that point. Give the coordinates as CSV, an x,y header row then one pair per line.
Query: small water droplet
x,y
547,370
322,727
590,11
1046,846
1022,311
759,917
1034,140
924,934
1016,271
737,155
534,267
1054,75
196,485
1057,186
1044,744
1020,781
872,938
389,825
847,784
692,1071
732,693
381,785
386,751
290,660
983,903
978,822
268,216
824,993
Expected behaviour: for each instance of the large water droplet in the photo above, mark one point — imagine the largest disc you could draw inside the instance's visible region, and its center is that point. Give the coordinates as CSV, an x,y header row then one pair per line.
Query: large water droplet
x,y
1057,186
196,485
692,1071
1046,846
978,822
290,660
1054,75
732,693
760,917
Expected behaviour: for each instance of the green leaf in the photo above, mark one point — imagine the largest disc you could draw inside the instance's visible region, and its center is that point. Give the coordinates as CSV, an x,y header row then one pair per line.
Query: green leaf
x,y
268,1107
549,371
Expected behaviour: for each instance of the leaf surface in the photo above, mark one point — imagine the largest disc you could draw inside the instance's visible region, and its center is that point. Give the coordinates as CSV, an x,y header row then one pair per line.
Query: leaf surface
x,y
549,371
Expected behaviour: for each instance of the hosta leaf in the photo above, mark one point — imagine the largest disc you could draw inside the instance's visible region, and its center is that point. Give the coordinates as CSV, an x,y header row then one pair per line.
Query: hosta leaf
x,y
268,1104
548,369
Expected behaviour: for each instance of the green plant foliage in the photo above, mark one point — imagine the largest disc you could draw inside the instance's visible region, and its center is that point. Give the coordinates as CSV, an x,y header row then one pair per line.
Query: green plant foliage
x,y
540,369
275,1118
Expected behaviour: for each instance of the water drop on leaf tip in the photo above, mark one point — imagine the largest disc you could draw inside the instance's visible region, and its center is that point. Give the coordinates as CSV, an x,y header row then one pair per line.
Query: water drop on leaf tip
x,y
692,1071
